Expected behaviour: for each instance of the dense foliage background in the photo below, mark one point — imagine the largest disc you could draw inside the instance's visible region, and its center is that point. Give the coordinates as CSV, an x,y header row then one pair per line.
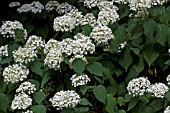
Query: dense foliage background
x,y
146,41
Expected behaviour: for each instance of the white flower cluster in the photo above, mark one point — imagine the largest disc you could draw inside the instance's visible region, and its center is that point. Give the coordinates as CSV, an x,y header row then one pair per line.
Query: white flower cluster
x,y
65,99
3,50
92,3
120,1
168,79
24,55
54,58
51,5
35,42
102,34
141,85
88,19
76,48
138,86
82,45
8,28
34,7
64,8
15,73
167,109
28,111
26,87
14,4
158,90
21,101
52,43
108,13
78,80
68,21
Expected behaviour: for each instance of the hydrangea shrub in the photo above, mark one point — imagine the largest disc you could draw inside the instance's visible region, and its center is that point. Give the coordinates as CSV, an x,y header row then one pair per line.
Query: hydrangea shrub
x,y
85,56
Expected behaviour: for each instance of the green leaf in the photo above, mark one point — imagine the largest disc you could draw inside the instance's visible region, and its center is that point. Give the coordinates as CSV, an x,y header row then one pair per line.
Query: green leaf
x,y
29,26
38,109
6,60
100,93
95,68
135,50
84,101
42,30
125,59
35,82
36,67
95,12
39,96
136,32
121,89
151,53
109,73
120,33
110,103
148,27
114,45
133,103
162,34
80,110
112,89
11,48
131,75
84,89
46,77
3,85
122,111
157,104
167,95
78,65
86,29
144,99
139,66
3,102
155,11
120,101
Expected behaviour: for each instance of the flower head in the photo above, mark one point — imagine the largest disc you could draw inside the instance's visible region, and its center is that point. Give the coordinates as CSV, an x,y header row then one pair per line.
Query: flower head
x,y
65,99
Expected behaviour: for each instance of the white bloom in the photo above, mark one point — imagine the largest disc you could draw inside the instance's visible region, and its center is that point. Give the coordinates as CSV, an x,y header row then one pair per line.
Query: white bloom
x,y
4,50
88,19
28,111
36,7
68,21
54,58
167,110
158,90
35,42
138,86
107,5
82,45
120,1
92,3
102,34
51,5
14,4
24,8
8,28
78,80
21,101
24,55
15,73
26,87
52,43
65,99
107,16
64,8
82,57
